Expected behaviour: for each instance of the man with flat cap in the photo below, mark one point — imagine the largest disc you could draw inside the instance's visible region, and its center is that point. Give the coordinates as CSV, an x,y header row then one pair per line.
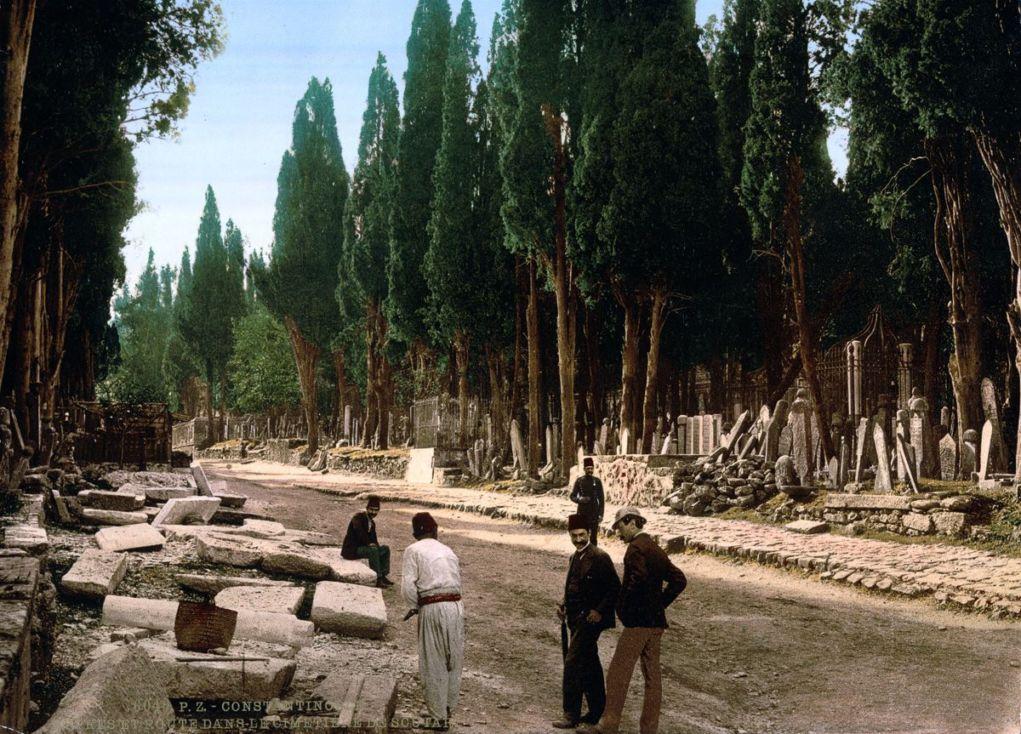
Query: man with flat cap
x,y
587,493
651,583
589,597
431,584
360,541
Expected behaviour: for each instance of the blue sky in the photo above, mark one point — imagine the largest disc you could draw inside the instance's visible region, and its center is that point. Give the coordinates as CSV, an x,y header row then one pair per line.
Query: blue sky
x,y
239,123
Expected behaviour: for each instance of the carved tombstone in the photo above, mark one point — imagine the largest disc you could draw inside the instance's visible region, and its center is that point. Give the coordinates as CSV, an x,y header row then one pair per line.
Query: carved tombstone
x,y
800,422
902,430
625,440
905,458
991,409
844,462
604,436
969,455
771,449
922,438
862,454
667,441
682,434
785,444
518,448
947,458
883,481
740,428
986,451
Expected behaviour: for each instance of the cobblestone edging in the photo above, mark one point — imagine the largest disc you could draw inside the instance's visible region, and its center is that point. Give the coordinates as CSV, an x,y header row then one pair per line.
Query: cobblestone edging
x,y
955,576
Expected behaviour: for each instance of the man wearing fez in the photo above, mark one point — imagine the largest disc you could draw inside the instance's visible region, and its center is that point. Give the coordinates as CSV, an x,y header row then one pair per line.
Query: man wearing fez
x,y
360,541
641,608
431,584
587,493
587,609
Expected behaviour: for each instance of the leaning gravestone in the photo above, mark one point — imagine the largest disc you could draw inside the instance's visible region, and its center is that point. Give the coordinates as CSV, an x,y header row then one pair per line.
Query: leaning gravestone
x,y
947,458
800,422
990,407
904,458
922,438
201,480
776,423
883,481
969,455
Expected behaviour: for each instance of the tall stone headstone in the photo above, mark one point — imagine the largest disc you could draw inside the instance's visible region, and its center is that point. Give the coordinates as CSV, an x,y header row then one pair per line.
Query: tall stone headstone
x,y
800,422
682,434
986,451
550,443
844,463
832,473
694,430
604,436
518,448
902,429
923,441
991,409
625,440
347,422
786,442
969,455
884,482
905,458
707,434
771,449
947,458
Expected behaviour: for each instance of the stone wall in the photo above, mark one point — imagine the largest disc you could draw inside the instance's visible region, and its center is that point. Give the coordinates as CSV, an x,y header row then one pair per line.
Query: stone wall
x,y
634,479
389,464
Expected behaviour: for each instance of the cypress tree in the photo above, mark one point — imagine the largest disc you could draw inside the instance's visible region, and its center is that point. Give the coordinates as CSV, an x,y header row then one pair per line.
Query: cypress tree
x,y
180,368
421,132
298,282
363,284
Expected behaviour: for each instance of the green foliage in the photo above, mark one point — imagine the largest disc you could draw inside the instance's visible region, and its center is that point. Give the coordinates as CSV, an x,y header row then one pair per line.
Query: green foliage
x,y
419,142
300,278
261,370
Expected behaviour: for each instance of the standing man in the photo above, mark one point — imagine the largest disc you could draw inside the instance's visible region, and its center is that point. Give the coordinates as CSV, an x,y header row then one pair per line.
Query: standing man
x,y
589,596
431,584
360,542
642,610
587,493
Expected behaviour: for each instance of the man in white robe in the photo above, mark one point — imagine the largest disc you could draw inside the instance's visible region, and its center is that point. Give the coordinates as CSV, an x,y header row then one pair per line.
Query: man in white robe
x,y
431,583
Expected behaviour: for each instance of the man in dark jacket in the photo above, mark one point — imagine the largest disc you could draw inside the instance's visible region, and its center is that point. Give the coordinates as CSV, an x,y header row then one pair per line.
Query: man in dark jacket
x,y
641,607
360,542
589,595
587,493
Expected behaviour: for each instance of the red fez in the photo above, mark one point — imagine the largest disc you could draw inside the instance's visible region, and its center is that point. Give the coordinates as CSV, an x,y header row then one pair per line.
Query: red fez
x,y
587,461
423,524
576,522
372,501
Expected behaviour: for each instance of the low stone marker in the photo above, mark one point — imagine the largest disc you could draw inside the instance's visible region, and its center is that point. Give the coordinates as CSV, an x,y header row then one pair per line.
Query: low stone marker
x,y
187,510
120,501
95,574
806,526
156,494
947,457
208,676
279,599
130,537
215,584
349,609
160,614
112,517
124,687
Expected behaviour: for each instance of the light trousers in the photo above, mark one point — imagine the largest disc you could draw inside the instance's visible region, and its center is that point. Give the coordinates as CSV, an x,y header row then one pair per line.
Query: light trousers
x,y
440,655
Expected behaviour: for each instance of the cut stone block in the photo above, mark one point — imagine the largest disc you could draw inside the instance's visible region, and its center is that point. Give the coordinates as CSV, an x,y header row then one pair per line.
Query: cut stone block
x,y
950,523
186,510
29,538
130,537
349,609
917,521
279,599
145,478
206,676
112,517
239,552
119,501
125,688
262,528
215,584
357,703
307,565
157,494
201,481
160,614
867,502
351,572
95,574
806,526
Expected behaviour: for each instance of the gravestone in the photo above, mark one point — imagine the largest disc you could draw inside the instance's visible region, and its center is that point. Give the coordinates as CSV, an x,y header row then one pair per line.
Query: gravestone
x,y
707,434
902,429
717,433
800,422
604,436
923,440
944,417
947,458
625,440
518,448
883,481
863,441
740,428
904,458
694,435
550,443
682,434
347,422
777,421
666,444
785,443
845,460
832,474
986,450
785,471
969,455
991,409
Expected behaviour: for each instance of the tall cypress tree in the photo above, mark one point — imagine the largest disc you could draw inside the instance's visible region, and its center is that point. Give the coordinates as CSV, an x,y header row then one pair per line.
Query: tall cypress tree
x,y
421,132
180,368
299,281
363,284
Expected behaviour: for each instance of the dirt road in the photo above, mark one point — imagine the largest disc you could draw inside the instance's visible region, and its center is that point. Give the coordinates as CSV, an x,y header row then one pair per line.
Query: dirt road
x,y
750,649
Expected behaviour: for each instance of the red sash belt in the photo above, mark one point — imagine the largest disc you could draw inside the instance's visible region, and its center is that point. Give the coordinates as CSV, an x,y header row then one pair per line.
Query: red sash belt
x,y
437,598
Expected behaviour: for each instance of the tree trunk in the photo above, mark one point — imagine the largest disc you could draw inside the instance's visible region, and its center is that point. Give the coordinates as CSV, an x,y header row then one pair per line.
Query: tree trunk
x,y
339,371
371,375
806,338
930,347
306,355
657,319
520,304
595,382
534,372
496,416
950,163
629,368
461,358
211,416
16,20
385,383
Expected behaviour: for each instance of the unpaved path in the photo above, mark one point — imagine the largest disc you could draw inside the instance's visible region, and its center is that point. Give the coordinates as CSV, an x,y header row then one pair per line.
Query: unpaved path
x,y
750,648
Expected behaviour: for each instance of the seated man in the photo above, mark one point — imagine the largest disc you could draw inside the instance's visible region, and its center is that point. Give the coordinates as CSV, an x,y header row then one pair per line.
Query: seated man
x,y
360,542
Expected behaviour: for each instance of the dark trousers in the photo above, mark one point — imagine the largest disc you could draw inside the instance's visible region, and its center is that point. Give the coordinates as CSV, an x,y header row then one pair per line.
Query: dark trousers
x,y
379,558
583,674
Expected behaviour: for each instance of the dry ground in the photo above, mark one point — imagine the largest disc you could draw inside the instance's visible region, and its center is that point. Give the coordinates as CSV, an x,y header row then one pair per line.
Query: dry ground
x,y
750,649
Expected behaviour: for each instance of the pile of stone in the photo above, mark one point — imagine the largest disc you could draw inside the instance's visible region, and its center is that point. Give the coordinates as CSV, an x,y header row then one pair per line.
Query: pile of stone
x,y
711,487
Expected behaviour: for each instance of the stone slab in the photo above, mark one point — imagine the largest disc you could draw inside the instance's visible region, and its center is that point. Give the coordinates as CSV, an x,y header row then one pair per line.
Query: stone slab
x,y
120,501
304,563
95,574
262,528
125,687
806,526
362,703
867,502
130,537
349,609
240,552
29,538
279,599
950,523
187,510
201,481
204,676
351,572
145,478
213,585
231,500
157,494
92,516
